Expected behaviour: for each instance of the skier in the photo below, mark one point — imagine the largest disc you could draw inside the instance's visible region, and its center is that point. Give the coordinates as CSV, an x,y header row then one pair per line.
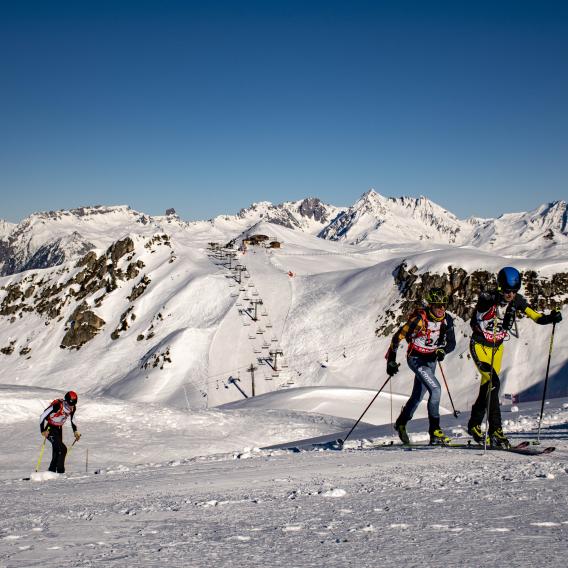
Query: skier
x,y
492,319
430,335
51,426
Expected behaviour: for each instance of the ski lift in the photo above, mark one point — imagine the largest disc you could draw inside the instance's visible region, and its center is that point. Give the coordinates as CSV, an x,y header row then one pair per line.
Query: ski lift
x,y
260,331
268,323
252,336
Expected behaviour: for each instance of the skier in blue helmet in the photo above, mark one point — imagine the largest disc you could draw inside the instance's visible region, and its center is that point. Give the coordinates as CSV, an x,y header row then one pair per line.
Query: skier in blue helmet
x,y
492,319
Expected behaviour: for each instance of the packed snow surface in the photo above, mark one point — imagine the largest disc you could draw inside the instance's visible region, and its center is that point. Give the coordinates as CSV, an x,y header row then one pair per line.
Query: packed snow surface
x,y
158,489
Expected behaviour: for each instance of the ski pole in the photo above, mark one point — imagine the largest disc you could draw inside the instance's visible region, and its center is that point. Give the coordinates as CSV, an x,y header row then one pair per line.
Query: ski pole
x,y
342,442
490,385
545,382
456,412
42,449
71,447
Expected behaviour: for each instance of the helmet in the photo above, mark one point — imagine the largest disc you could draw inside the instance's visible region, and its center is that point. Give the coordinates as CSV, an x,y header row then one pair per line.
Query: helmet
x,y
509,279
436,296
71,397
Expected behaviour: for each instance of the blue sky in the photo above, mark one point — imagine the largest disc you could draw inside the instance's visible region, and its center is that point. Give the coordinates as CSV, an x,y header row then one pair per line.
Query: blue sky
x,y
209,106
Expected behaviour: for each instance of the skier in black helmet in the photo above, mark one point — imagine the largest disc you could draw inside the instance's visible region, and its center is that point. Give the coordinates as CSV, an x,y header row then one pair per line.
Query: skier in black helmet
x,y
493,318
51,426
430,335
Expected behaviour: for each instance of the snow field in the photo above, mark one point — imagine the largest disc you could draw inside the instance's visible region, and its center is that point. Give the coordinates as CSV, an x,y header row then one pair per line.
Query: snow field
x,y
351,508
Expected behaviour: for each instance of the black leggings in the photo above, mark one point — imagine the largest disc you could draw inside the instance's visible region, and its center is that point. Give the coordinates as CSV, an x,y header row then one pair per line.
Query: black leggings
x,y
480,405
57,464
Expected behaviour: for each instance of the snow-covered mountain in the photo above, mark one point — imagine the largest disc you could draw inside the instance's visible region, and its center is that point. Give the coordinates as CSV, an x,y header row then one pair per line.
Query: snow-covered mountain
x,y
309,215
47,239
155,309
541,232
6,228
392,220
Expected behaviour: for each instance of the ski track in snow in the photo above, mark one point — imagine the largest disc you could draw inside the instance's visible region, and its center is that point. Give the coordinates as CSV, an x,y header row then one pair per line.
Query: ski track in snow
x,y
277,508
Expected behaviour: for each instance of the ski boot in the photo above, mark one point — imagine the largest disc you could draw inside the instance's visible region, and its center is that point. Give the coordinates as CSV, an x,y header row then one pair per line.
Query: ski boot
x,y
400,428
438,438
475,431
498,440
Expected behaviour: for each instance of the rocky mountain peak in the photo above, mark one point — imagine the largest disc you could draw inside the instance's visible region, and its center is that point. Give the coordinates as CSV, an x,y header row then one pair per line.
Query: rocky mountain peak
x,y
374,215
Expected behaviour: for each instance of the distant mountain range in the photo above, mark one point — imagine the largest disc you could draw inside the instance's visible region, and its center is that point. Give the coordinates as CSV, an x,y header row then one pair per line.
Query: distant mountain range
x,y
114,302
50,238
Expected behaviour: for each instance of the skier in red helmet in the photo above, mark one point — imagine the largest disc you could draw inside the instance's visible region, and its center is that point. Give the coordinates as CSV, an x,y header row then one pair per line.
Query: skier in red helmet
x,y
51,426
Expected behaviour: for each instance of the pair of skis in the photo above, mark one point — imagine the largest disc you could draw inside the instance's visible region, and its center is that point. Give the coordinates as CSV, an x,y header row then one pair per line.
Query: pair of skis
x,y
523,448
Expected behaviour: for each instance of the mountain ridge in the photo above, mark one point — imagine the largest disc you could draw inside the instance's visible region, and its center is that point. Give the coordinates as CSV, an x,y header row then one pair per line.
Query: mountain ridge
x,y
43,238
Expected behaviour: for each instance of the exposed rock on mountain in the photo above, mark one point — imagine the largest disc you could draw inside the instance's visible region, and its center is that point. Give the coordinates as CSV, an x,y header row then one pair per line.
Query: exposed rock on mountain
x,y
463,289
84,324
309,214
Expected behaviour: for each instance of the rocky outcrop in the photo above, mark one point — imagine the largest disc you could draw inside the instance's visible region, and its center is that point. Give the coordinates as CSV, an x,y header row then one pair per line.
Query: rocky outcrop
x,y
463,290
84,324
139,289
97,277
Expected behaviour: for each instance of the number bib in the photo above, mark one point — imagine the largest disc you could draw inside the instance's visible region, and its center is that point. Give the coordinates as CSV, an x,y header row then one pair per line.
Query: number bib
x,y
426,340
491,325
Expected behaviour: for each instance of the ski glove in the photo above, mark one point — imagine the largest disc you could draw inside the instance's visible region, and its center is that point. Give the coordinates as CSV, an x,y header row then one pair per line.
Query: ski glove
x,y
555,316
392,368
440,354
77,436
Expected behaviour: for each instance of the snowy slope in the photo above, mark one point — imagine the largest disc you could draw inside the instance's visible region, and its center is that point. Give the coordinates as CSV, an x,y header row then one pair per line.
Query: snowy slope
x,y
542,232
6,228
172,324
182,489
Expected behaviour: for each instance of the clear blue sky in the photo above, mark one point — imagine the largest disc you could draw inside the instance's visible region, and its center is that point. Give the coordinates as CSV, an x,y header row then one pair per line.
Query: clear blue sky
x,y
209,106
